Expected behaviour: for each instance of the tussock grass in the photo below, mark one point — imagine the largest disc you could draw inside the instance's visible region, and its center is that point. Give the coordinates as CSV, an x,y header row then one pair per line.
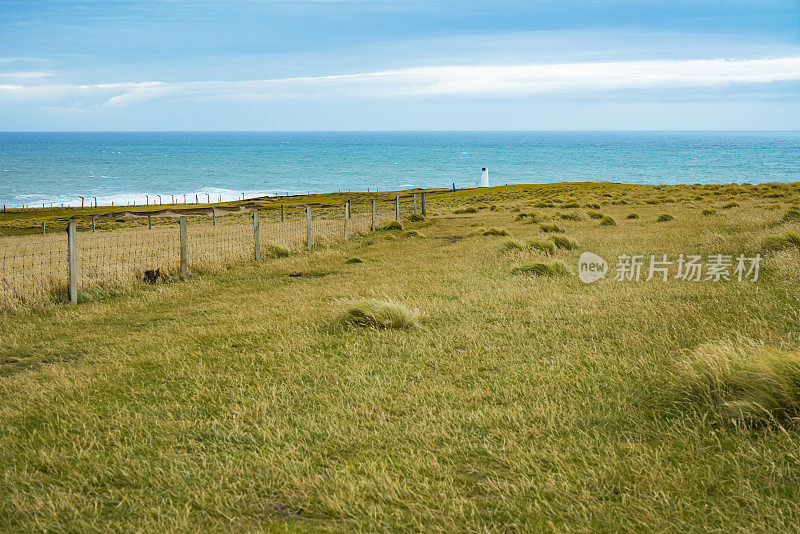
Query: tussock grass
x,y
730,205
411,234
543,245
608,221
781,242
574,216
494,231
551,228
551,268
466,210
564,242
709,211
416,217
276,251
593,206
791,215
354,259
392,225
511,245
595,215
665,217
632,216
381,314
741,382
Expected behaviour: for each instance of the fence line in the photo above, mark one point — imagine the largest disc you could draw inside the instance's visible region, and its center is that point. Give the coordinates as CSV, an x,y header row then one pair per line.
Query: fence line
x,y
59,266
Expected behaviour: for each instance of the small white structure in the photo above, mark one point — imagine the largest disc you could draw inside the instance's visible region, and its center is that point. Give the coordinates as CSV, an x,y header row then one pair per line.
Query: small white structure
x,y
485,177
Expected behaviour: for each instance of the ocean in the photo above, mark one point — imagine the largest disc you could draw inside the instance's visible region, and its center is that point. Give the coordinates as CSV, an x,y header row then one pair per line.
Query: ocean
x,y
44,168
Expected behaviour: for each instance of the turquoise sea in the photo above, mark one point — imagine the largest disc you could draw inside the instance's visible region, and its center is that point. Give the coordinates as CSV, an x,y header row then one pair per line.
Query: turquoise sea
x,y
37,168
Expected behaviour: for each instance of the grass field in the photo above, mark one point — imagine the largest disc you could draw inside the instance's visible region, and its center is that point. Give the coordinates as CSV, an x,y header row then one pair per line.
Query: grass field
x,y
523,402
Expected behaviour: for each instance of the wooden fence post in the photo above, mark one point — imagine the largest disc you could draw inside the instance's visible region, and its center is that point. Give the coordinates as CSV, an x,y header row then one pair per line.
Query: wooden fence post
x,y
184,246
415,203
396,208
214,216
308,227
282,219
257,235
93,224
347,219
149,222
424,210
72,260
373,215
44,229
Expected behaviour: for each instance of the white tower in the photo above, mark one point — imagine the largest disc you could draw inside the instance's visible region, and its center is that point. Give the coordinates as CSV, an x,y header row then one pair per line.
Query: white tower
x,y
485,177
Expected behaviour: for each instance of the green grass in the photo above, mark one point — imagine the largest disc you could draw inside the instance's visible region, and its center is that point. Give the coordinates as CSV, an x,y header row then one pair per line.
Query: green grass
x,y
607,221
551,228
665,217
551,268
416,217
542,245
392,225
249,401
380,314
511,245
564,242
495,232
782,241
354,259
276,251
632,216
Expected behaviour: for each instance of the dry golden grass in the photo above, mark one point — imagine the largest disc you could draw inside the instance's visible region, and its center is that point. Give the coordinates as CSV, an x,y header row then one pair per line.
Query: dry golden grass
x,y
241,401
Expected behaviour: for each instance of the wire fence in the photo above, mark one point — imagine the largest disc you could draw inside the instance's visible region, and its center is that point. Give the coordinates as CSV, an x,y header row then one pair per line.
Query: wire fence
x,y
115,253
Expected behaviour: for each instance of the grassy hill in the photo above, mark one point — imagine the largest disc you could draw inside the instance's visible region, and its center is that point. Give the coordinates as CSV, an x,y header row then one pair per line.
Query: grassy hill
x,y
249,400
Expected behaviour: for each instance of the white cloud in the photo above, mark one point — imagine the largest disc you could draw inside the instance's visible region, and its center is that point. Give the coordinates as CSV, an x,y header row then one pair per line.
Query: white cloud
x,y
480,80
25,74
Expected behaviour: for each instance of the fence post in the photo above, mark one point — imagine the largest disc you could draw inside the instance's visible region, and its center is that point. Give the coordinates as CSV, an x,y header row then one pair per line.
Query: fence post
x,y
93,224
149,223
282,219
424,211
308,227
44,229
346,219
257,235
184,245
415,203
214,216
72,260
396,208
373,215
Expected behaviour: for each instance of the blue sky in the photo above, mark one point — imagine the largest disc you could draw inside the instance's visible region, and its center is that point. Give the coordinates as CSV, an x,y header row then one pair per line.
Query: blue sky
x,y
407,65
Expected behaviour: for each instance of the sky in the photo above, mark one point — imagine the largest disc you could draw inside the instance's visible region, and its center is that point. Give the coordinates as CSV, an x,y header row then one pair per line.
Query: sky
x,y
170,65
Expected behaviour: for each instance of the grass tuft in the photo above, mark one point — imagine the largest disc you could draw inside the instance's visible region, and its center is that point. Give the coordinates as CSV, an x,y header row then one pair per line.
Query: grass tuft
x,y
730,205
353,260
392,225
665,217
709,211
542,245
276,251
511,245
466,210
781,242
607,221
595,215
791,215
564,242
551,228
740,382
632,216
412,233
381,314
551,268
416,217
496,231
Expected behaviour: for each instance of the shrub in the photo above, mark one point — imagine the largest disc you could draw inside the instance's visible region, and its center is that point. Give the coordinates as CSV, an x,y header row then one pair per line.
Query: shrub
x,y
709,211
496,231
564,242
392,225
353,260
595,215
416,217
740,382
551,268
412,233
466,210
381,314
551,228
781,242
632,216
276,251
665,217
608,221
543,245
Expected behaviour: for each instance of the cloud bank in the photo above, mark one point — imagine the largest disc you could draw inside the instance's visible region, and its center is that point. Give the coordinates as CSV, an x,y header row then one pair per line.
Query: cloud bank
x,y
479,80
